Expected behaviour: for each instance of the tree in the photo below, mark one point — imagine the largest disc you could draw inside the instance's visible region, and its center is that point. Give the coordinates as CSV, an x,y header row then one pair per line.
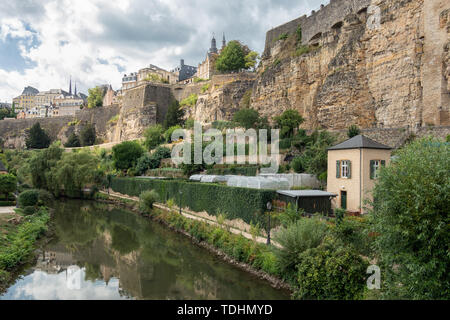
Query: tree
x,y
331,273
127,154
232,58
411,218
251,60
288,122
72,173
154,136
168,134
8,184
353,131
73,141
42,163
174,115
88,136
37,138
4,113
247,118
95,98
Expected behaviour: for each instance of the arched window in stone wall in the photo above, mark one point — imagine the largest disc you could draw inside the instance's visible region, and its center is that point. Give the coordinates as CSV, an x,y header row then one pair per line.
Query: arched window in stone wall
x,y
315,39
337,25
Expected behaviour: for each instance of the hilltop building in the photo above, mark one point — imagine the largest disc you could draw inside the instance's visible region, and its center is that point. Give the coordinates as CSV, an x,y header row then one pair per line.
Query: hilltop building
x,y
353,167
184,71
151,73
206,69
26,99
110,97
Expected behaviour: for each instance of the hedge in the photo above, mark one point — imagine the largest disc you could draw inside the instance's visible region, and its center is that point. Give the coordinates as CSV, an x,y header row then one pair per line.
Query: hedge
x,y
237,203
242,171
7,203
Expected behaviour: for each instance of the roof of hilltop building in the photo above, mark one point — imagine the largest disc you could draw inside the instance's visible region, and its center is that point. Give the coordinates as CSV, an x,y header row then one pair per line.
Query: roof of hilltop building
x,y
2,167
30,91
360,142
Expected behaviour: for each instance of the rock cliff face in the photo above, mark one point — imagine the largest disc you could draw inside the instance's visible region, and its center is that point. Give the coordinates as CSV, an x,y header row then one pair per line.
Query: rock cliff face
x,y
370,69
219,98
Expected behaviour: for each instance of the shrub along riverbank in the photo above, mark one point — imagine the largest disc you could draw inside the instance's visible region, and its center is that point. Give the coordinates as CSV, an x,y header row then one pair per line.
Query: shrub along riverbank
x,y
17,245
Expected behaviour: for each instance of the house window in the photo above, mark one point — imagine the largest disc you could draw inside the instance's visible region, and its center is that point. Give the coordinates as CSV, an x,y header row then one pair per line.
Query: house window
x,y
344,169
375,166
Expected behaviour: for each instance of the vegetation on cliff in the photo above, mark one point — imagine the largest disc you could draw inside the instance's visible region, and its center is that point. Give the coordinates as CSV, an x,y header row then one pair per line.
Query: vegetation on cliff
x,y
95,97
235,57
37,138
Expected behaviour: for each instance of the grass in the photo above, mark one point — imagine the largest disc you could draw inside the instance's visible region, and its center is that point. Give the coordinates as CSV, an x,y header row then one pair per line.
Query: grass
x,y
17,242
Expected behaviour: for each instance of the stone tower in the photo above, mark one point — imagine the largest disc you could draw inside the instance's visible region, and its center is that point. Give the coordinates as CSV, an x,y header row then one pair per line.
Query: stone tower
x,y
213,48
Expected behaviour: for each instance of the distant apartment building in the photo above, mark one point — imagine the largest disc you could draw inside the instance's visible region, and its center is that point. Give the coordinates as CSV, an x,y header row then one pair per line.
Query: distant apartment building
x,y
68,105
5,105
46,98
151,73
129,81
26,100
184,71
156,74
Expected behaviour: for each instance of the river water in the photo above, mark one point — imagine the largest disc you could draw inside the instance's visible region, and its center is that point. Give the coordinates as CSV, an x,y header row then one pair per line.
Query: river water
x,y
103,252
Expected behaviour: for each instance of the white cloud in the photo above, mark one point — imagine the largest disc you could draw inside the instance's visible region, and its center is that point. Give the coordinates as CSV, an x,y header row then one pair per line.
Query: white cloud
x,y
74,36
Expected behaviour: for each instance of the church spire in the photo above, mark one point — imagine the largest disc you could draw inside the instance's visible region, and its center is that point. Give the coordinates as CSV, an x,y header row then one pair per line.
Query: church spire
x,y
224,42
213,48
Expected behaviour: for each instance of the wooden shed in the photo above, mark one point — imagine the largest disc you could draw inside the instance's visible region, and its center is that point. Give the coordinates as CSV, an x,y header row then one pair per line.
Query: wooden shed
x,y
312,201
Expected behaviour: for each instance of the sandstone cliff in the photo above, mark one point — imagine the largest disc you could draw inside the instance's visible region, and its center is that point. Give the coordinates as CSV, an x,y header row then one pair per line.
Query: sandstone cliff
x,y
383,66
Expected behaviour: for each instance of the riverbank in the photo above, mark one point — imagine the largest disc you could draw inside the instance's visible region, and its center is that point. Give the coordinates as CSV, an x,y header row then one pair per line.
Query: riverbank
x,y
248,255
18,237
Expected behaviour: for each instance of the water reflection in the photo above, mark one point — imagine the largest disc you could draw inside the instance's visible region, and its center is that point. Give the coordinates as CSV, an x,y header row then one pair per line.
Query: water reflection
x,y
119,255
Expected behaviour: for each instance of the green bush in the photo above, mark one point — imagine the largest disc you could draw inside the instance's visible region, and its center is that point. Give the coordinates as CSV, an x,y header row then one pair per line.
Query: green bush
x,y
73,141
297,165
8,184
88,135
298,237
145,163
28,211
247,204
353,232
126,154
28,198
147,199
169,132
7,203
190,101
353,131
411,217
154,136
285,143
330,273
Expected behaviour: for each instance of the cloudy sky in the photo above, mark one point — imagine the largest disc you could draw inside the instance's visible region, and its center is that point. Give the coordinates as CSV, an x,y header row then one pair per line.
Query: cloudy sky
x,y
43,42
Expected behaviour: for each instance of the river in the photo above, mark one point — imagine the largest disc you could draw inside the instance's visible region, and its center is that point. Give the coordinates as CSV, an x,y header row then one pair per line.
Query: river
x,y
101,252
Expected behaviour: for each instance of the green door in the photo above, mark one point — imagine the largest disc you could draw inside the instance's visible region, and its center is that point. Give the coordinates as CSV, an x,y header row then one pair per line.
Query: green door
x,y
344,200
